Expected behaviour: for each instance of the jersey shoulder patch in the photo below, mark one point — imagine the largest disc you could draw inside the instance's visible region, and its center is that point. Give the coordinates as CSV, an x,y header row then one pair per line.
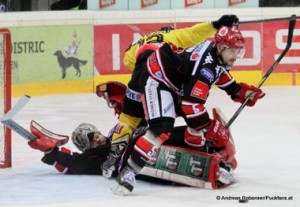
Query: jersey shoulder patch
x,y
208,74
200,90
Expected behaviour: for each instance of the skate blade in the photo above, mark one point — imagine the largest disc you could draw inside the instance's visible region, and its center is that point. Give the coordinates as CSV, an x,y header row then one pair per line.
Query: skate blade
x,y
120,190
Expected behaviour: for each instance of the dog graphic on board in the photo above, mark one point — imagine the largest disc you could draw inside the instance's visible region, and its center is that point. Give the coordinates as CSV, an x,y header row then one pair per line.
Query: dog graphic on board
x,y
66,62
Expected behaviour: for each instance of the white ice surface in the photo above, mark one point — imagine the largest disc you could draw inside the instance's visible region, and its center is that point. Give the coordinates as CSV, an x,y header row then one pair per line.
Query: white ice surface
x,y
267,139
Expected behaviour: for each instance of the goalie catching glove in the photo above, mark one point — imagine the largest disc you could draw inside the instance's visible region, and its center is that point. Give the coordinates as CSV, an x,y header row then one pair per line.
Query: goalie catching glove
x,y
246,91
46,140
113,92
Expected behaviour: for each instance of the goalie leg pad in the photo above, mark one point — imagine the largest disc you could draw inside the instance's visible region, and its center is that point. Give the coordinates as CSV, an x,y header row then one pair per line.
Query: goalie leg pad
x,y
46,140
189,167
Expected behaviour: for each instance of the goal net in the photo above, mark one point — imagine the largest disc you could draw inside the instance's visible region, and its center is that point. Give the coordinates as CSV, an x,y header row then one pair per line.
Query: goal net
x,y
5,96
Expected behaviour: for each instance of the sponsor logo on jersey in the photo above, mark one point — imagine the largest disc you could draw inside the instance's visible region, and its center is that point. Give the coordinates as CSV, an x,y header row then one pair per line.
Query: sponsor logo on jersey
x,y
151,101
208,59
195,56
208,74
168,107
133,95
153,66
190,49
118,128
200,90
196,53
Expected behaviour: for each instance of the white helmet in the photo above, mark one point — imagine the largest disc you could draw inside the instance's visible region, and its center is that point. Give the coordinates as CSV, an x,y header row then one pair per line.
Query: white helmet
x,y
83,135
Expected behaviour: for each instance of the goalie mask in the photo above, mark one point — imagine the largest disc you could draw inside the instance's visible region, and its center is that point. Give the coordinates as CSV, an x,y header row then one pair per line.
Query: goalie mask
x,y
84,137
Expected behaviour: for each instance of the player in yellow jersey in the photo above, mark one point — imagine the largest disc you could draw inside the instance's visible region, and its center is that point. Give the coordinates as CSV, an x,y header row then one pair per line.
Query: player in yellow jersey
x,y
137,51
182,38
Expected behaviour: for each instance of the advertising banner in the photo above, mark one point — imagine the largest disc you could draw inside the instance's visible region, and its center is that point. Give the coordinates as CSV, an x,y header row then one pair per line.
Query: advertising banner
x,y
274,41
264,43
107,5
168,4
236,3
191,4
149,4
112,41
52,53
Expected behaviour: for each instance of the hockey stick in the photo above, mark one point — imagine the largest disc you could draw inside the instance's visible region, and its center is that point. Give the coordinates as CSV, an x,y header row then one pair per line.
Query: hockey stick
x,y
8,122
269,20
267,74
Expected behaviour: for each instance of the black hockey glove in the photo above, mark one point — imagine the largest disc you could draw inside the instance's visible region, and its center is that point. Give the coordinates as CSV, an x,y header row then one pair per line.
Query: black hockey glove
x,y
166,29
228,20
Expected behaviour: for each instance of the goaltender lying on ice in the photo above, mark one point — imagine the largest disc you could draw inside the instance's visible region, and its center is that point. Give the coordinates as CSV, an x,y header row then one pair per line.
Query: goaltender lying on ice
x,y
208,167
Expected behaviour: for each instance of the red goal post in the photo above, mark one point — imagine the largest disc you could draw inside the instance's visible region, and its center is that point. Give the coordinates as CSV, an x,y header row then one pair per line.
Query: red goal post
x,y
5,95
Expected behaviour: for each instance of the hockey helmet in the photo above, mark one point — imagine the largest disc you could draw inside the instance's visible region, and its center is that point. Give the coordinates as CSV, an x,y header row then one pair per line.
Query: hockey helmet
x,y
83,136
231,38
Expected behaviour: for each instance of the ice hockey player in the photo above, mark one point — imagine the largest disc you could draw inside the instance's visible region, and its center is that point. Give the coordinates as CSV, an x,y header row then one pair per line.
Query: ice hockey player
x,y
181,38
93,145
201,167
171,75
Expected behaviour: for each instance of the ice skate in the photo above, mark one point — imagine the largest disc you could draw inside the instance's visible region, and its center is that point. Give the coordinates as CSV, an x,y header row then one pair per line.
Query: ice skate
x,y
125,182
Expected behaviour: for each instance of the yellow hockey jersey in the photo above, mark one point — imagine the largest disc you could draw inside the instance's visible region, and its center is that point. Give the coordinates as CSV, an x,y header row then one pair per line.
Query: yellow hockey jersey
x,y
182,38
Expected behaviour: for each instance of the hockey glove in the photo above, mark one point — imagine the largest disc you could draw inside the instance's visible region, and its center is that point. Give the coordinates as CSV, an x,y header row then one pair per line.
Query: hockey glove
x,y
228,20
113,92
217,132
46,140
55,156
246,90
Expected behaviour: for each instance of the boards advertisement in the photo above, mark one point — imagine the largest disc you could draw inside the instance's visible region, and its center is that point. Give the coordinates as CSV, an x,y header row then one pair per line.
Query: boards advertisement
x,y
54,56
168,4
264,43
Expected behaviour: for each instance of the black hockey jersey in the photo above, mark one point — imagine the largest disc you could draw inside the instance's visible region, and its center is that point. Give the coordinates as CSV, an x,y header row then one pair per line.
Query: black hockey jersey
x,y
190,73
87,163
